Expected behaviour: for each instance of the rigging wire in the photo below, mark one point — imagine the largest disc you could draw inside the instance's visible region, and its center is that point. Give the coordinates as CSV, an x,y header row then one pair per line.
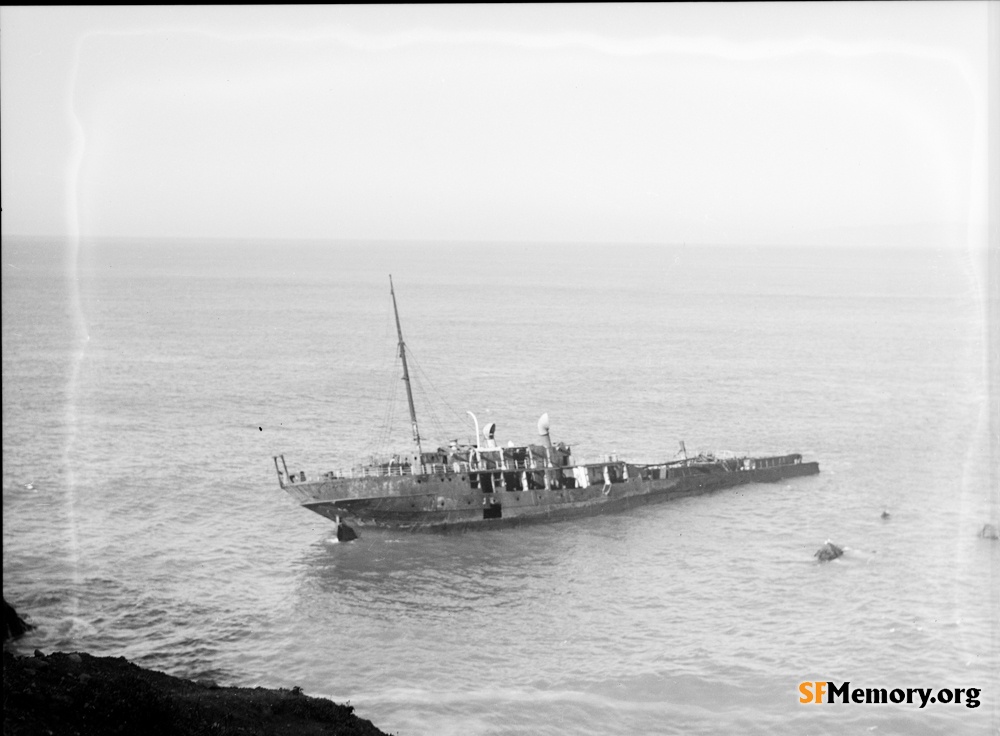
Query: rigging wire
x,y
430,417
382,440
380,430
384,444
377,430
459,418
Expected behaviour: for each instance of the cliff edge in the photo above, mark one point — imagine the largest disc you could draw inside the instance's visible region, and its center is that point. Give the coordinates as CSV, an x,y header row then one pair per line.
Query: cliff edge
x,y
80,694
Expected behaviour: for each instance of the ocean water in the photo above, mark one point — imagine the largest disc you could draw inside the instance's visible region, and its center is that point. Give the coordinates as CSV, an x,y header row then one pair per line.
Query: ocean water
x,y
148,384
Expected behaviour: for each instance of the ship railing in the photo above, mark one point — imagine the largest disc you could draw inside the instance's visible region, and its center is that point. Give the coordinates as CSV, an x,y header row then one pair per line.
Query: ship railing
x,y
399,470
491,467
371,471
391,471
444,468
602,460
776,461
388,471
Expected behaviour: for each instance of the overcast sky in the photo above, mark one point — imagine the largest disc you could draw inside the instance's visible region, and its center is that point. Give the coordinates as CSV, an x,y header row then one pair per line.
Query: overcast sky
x,y
734,123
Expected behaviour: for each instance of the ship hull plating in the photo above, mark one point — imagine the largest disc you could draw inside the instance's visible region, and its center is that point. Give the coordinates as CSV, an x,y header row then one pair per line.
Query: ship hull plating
x,y
462,501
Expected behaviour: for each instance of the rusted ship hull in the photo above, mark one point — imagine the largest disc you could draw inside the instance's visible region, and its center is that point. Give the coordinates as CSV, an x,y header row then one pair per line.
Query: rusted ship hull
x,y
458,501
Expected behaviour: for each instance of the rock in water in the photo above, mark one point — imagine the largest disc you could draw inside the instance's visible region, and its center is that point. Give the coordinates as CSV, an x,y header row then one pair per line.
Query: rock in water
x,y
885,516
344,532
989,532
828,551
13,625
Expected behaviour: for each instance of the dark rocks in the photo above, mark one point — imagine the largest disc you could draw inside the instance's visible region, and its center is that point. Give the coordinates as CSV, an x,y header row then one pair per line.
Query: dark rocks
x,y
81,694
344,532
828,551
885,516
13,625
989,532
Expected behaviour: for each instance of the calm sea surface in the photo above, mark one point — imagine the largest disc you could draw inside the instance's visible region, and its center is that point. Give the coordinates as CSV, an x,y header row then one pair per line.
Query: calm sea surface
x,y
147,385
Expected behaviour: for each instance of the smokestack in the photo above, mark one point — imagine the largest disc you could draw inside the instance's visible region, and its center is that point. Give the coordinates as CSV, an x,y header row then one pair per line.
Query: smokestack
x,y
543,431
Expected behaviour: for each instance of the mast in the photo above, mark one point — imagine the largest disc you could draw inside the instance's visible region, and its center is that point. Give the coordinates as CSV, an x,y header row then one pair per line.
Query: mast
x,y
406,375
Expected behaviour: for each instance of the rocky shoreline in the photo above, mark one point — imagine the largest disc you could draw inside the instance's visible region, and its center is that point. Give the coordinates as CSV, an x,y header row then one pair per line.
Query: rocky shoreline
x,y
81,694
77,694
